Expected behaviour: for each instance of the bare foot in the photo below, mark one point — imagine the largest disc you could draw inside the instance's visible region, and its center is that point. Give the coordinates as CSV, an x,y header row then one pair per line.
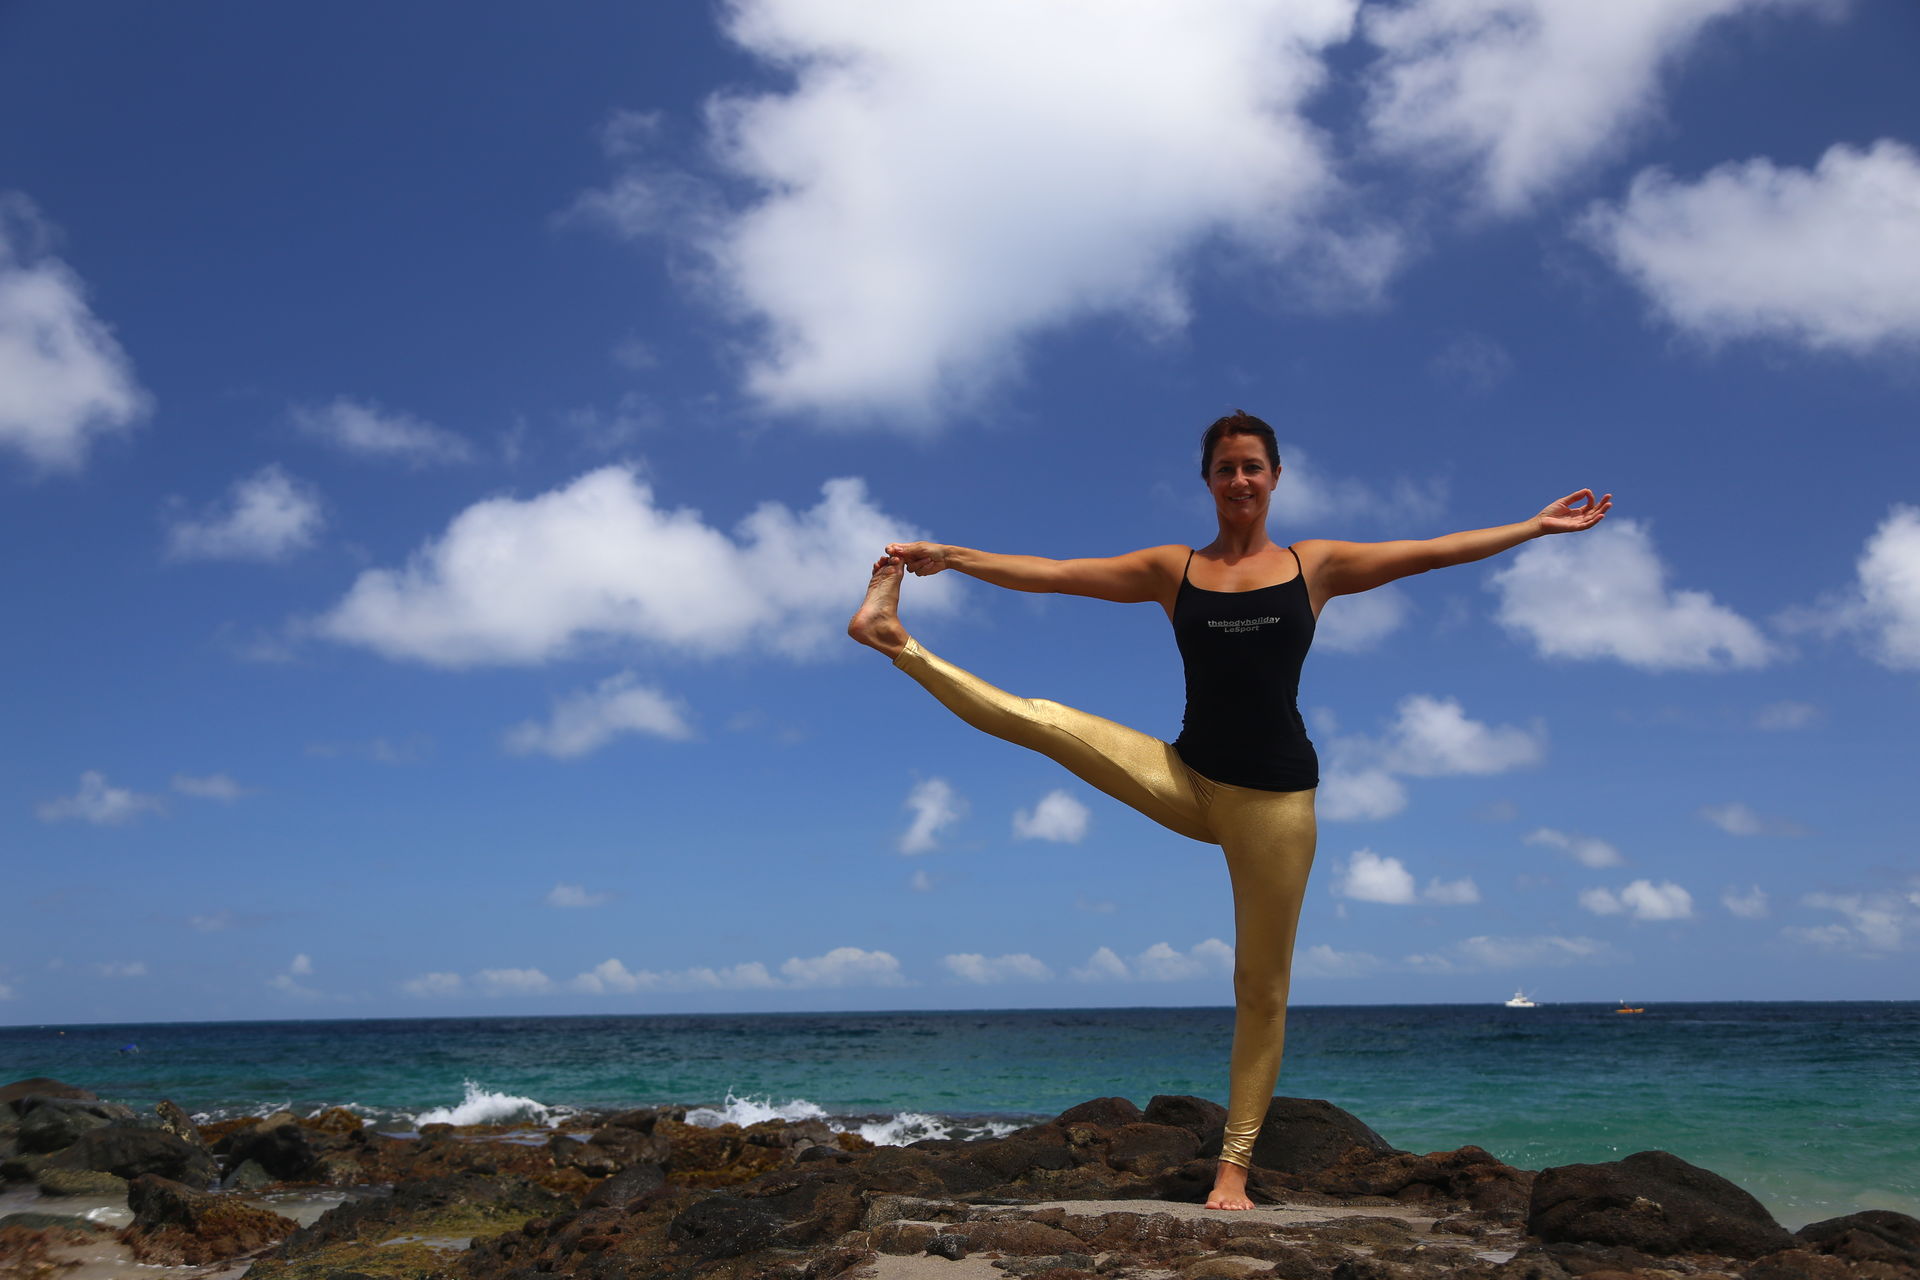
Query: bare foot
x,y
1229,1188
877,622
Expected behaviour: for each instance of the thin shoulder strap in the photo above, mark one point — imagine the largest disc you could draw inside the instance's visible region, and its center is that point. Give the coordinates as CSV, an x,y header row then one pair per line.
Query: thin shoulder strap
x,y
1296,561
1184,569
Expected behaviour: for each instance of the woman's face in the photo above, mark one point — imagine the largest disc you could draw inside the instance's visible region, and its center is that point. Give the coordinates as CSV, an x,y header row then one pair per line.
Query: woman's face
x,y
1240,477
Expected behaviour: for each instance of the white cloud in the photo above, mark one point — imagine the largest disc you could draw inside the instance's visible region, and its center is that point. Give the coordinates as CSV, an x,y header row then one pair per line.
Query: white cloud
x,y
573,895
99,803
939,183
935,806
434,984
1370,877
844,967
1603,594
1588,851
1884,605
64,381
1322,961
214,786
268,515
374,432
1358,795
586,720
1829,258
1486,953
973,967
1781,716
1160,962
1058,817
1750,904
1308,496
512,982
525,581
1473,361
1737,819
1643,899
612,976
302,965
1871,922
1432,737
1354,624
1525,93
129,969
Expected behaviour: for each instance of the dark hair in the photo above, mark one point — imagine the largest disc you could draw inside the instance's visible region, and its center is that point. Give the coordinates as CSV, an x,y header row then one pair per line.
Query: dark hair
x,y
1237,423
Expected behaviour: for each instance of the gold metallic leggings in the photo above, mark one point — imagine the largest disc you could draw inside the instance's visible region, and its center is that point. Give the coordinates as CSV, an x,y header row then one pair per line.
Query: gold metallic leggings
x,y
1267,837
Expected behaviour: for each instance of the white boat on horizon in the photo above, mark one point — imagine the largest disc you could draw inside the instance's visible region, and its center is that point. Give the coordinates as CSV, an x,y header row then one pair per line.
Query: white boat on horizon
x,y
1520,1001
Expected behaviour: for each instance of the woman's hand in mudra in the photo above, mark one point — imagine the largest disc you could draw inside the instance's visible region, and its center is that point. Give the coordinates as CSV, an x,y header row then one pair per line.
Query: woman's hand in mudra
x,y
920,558
1574,512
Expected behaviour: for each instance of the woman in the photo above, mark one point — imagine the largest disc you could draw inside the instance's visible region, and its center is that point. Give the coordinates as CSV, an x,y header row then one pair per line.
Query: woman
x,y
1242,772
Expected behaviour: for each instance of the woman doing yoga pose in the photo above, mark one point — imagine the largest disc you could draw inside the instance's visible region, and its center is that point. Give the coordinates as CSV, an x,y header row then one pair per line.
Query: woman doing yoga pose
x,y
1242,772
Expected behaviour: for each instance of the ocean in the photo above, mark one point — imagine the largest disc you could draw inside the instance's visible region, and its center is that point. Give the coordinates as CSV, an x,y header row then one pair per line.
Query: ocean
x,y
1814,1108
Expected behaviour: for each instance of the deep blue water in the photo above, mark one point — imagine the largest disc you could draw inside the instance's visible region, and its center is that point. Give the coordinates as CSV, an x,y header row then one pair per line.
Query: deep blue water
x,y
1815,1108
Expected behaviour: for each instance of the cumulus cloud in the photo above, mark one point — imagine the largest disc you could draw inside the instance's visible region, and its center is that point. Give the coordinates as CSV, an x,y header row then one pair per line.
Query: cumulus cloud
x,y
434,985
512,982
576,896
844,967
525,581
1642,899
302,965
611,976
1160,962
1306,495
288,982
840,967
1429,737
935,183
1525,93
1323,961
588,719
1058,817
981,969
65,383
1748,904
1737,819
1829,258
98,802
1604,594
268,515
1870,923
1371,877
935,805
1358,795
214,786
1355,624
1882,608
1489,953
1588,851
371,431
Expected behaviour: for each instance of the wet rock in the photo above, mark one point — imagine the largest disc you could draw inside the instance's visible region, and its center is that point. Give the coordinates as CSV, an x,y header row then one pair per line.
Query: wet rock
x,y
723,1227
50,1124
625,1186
248,1177
78,1182
1655,1202
333,1120
1470,1174
1014,1158
1307,1135
948,1245
45,1087
281,1147
1151,1148
1107,1112
175,1225
1205,1120
131,1152
1878,1235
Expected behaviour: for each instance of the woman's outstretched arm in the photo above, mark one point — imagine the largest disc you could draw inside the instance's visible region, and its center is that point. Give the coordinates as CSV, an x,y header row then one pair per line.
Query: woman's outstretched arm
x,y
1134,578
1344,568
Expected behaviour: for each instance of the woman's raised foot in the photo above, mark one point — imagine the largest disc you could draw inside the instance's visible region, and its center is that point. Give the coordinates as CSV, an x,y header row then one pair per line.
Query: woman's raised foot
x,y
1229,1188
876,623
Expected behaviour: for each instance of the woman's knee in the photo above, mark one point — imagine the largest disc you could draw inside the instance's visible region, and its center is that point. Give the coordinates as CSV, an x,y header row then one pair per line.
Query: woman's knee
x,y
1261,995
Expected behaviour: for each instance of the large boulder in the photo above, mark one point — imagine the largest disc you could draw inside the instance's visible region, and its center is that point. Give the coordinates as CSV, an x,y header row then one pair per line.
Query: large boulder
x,y
1109,1113
284,1150
1308,1135
129,1152
48,1124
1200,1117
44,1086
175,1225
1655,1202
1878,1235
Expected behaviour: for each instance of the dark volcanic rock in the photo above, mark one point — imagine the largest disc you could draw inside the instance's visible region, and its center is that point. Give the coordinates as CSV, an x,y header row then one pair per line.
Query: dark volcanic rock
x,y
1307,1135
1110,1112
1878,1235
1151,1148
46,1087
627,1185
1655,1202
49,1124
1205,1120
284,1150
1798,1264
724,1227
1469,1174
1014,1158
175,1225
130,1152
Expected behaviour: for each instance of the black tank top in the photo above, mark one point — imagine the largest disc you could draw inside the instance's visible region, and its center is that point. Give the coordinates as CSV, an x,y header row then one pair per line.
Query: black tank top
x,y
1242,651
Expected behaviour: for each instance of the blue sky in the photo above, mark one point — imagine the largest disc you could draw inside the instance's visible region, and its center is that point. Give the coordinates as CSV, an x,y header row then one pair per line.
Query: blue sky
x,y
441,446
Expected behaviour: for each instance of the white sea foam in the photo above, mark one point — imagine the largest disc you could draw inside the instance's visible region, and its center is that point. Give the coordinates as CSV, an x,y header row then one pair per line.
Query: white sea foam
x,y
908,1126
482,1106
746,1111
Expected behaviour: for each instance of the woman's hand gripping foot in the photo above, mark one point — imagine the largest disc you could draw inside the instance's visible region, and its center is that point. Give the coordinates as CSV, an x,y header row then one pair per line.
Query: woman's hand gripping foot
x,y
876,623
1229,1188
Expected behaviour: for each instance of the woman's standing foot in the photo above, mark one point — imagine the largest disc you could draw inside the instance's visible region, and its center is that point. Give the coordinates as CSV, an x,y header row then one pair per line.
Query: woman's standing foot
x,y
1229,1188
876,623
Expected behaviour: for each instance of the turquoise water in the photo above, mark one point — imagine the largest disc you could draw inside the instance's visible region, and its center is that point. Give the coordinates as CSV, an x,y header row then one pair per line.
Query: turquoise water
x,y
1815,1108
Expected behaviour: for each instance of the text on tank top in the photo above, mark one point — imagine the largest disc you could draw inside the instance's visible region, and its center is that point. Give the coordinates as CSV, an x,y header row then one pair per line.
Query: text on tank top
x,y
1242,651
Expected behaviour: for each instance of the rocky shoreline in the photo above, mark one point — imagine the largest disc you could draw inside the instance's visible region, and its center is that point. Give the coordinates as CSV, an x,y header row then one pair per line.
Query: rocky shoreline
x,y
1103,1190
